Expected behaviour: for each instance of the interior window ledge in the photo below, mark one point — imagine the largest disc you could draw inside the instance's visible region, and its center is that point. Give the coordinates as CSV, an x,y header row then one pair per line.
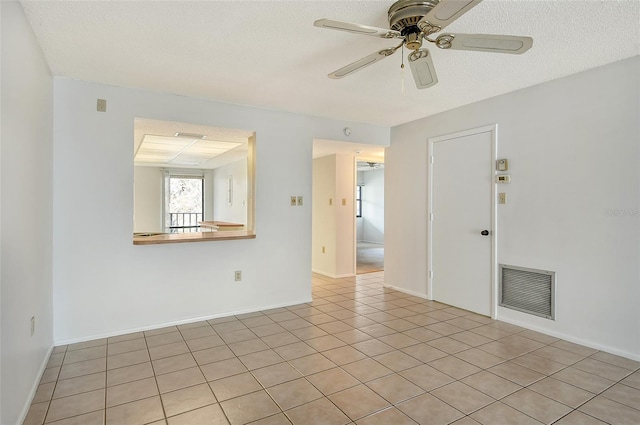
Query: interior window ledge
x,y
193,237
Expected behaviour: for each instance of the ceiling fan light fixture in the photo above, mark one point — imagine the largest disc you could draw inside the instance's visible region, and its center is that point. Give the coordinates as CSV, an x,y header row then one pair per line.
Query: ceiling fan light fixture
x,y
413,40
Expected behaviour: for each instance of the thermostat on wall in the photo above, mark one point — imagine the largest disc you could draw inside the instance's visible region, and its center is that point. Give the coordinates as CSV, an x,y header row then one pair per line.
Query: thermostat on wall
x,y
504,178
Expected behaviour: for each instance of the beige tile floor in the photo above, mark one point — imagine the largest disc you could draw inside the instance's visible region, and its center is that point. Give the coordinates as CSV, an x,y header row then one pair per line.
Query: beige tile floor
x,y
369,257
358,354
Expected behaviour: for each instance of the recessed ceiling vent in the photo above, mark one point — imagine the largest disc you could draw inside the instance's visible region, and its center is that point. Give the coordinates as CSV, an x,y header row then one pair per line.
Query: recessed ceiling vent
x,y
191,135
528,290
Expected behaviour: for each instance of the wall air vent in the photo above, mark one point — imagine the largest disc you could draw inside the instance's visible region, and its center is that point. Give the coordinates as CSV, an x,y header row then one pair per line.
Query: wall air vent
x,y
528,290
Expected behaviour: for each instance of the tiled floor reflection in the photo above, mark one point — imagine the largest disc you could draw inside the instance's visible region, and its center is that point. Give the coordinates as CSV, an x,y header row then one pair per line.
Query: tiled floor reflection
x,y
358,354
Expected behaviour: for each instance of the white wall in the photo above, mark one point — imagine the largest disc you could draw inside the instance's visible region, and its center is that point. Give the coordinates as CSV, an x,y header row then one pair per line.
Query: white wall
x,y
237,211
106,285
359,229
26,214
360,220
345,215
573,150
373,206
148,182
334,224
208,194
324,216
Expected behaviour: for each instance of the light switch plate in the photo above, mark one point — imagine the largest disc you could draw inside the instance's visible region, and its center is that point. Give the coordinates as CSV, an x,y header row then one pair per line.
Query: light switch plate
x,y
299,201
502,198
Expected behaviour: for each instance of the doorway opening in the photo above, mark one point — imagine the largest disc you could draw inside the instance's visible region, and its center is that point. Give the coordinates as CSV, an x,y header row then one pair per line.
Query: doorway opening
x,y
346,202
369,217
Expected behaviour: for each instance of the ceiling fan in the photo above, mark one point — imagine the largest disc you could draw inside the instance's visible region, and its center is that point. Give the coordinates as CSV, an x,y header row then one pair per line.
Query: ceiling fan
x,y
413,22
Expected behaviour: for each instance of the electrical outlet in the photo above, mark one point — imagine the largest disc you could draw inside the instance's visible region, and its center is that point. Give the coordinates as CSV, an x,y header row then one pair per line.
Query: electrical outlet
x,y
299,201
102,105
294,201
33,325
502,198
238,275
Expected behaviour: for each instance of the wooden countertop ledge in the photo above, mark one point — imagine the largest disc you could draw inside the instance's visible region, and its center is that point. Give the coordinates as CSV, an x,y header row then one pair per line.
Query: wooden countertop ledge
x,y
193,237
222,224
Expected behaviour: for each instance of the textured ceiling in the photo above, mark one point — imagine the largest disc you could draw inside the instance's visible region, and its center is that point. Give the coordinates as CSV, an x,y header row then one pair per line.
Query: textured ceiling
x,y
269,54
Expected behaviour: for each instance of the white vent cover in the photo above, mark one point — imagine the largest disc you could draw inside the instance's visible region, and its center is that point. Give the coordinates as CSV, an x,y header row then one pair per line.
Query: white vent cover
x,y
528,290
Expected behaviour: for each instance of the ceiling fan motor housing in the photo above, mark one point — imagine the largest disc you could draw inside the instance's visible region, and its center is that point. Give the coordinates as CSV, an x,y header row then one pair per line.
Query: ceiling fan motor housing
x,y
405,14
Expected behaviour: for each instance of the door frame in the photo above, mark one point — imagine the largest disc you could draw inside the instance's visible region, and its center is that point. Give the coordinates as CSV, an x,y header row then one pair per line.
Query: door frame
x,y
493,129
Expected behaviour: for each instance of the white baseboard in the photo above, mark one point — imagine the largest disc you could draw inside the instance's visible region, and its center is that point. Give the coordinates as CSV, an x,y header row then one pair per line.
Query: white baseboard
x,y
177,322
373,242
406,291
566,337
34,387
333,276
571,338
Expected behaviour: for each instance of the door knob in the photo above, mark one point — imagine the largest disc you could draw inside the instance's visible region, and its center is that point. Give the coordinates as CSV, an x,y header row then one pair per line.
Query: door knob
x,y
484,233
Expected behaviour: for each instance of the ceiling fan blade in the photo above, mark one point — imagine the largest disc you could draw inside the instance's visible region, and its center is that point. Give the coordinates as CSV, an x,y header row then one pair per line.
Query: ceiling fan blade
x,y
422,68
512,44
357,28
362,63
444,13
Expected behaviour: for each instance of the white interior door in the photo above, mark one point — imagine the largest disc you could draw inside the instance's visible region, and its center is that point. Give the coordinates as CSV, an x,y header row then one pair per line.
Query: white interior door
x,y
462,219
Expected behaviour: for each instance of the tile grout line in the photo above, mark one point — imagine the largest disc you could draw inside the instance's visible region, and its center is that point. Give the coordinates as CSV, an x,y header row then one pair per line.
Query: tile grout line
x,y
106,383
203,375
352,305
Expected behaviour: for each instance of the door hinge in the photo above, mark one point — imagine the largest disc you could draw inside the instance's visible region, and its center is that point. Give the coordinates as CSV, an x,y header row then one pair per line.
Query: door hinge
x,y
430,216
431,159
430,274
